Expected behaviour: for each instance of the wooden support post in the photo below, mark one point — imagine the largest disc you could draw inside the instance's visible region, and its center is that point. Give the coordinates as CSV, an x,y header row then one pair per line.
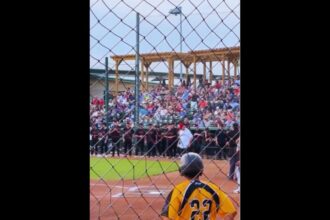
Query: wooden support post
x,y
195,72
211,73
235,73
223,71
170,72
147,76
204,71
169,79
187,65
228,69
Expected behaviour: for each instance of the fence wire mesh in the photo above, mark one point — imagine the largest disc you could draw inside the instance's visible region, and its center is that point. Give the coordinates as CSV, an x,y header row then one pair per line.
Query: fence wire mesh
x,y
189,74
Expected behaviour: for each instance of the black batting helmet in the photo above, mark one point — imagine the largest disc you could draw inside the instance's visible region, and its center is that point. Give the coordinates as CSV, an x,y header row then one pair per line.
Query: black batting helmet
x,y
191,165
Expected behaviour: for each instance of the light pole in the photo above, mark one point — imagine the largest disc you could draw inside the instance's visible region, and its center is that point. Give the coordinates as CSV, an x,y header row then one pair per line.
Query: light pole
x,y
178,11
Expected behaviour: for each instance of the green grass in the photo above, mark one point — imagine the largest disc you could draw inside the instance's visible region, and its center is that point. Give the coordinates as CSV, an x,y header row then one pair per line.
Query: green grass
x,y
115,169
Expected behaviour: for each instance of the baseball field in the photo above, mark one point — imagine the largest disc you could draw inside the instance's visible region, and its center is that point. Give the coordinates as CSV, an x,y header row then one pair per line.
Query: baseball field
x,y
136,188
116,169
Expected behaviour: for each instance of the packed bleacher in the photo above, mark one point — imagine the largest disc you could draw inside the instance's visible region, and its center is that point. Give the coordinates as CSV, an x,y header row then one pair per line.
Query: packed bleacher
x,y
211,112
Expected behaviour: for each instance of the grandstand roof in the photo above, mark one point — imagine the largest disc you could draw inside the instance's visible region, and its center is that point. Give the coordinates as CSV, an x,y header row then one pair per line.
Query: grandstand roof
x,y
231,53
101,73
124,72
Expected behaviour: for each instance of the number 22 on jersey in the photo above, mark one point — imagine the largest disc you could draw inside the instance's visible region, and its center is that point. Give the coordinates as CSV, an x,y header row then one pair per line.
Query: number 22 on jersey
x,y
200,211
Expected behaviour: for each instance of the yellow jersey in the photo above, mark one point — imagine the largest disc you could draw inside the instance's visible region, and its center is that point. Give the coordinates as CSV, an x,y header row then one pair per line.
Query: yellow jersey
x,y
196,200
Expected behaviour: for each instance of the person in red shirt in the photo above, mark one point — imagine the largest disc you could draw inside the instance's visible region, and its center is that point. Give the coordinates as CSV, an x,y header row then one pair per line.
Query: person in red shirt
x,y
202,104
101,102
218,85
230,115
237,91
95,101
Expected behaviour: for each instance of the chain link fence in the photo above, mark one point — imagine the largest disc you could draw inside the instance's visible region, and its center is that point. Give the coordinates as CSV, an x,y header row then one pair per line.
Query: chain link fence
x,y
154,67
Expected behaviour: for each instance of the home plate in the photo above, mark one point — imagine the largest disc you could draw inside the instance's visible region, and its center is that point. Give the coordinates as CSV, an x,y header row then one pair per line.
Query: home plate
x,y
155,192
140,191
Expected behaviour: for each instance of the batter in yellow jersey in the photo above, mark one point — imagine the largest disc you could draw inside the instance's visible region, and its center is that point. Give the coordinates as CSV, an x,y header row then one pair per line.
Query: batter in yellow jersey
x,y
194,199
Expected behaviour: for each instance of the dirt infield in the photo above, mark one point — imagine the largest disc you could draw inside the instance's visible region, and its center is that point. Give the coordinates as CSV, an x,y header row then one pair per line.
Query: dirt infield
x,y
129,199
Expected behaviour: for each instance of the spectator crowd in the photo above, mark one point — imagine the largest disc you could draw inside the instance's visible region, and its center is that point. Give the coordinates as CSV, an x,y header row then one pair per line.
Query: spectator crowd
x,y
211,112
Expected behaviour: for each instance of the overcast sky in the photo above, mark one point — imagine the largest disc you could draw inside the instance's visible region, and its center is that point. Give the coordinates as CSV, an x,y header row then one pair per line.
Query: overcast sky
x,y
206,24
